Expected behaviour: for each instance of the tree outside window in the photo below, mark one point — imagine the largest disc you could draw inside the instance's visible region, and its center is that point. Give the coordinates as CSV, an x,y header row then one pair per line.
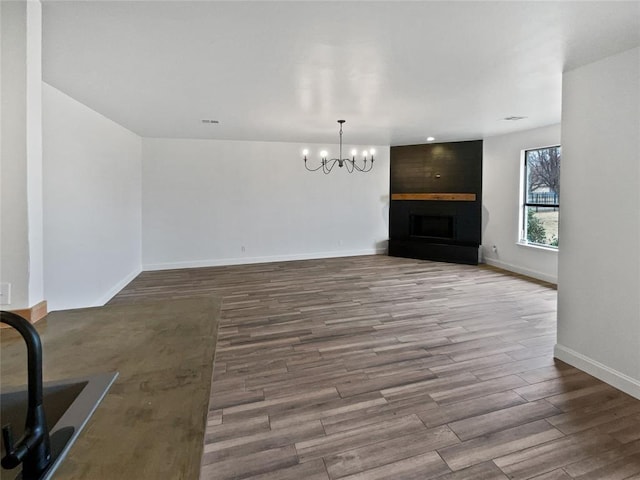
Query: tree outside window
x,y
541,203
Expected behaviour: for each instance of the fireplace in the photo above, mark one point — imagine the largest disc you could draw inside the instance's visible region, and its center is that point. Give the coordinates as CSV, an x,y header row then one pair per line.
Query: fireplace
x,y
436,201
431,226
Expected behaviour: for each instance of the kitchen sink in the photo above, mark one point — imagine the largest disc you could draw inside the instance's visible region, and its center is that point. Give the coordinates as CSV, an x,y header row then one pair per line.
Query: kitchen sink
x,y
68,405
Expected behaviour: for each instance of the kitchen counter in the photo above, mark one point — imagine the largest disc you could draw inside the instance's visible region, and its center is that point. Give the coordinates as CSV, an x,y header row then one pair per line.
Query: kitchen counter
x,y
152,421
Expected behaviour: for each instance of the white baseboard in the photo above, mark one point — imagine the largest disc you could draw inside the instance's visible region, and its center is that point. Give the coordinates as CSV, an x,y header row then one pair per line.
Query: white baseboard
x,y
117,287
100,301
219,262
608,375
521,270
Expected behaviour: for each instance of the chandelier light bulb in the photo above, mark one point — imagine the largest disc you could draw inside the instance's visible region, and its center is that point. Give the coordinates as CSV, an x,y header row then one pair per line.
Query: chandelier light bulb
x,y
365,153
323,154
305,152
372,151
354,152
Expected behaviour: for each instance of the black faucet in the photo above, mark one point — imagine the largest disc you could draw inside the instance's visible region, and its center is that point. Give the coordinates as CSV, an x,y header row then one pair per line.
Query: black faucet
x,y
33,449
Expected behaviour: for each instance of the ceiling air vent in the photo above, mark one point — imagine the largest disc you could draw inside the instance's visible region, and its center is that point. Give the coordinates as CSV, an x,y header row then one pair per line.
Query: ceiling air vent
x,y
514,118
206,120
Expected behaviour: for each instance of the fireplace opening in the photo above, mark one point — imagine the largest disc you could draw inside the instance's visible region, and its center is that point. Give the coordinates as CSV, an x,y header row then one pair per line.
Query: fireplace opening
x,y
431,226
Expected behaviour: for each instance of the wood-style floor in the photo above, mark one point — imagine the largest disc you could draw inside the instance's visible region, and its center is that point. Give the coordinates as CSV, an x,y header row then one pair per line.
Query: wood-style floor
x,y
387,368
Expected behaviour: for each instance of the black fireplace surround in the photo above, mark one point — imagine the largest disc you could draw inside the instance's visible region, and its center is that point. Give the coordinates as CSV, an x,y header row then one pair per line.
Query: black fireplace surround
x,y
441,230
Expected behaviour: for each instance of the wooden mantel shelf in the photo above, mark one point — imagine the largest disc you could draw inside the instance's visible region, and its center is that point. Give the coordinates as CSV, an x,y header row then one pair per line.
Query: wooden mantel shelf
x,y
455,197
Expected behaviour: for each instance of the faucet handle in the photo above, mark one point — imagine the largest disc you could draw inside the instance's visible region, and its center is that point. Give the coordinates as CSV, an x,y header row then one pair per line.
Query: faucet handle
x,y
7,438
12,458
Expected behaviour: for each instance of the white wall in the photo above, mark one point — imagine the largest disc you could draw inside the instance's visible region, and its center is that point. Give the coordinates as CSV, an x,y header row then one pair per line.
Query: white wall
x,y
501,162
21,243
92,203
204,200
599,264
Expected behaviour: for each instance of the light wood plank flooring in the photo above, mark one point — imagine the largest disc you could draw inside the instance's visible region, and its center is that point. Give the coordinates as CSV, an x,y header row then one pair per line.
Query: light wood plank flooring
x,y
387,368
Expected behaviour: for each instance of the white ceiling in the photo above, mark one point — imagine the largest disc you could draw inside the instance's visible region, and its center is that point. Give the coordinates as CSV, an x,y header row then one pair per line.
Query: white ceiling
x,y
286,71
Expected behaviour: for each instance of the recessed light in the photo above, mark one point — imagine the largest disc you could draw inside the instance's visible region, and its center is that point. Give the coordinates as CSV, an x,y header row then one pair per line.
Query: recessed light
x,y
514,118
206,120
430,139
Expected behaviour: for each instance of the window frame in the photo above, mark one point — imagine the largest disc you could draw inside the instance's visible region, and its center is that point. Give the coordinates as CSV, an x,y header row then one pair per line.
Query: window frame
x,y
522,235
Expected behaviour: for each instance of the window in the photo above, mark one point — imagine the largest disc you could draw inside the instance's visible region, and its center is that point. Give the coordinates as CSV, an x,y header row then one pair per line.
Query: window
x,y
541,197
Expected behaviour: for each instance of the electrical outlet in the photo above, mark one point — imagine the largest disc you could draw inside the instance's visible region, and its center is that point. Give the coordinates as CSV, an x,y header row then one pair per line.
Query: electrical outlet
x,y
495,249
5,294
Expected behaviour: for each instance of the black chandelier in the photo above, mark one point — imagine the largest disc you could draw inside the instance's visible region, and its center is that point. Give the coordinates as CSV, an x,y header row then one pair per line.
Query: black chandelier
x,y
350,163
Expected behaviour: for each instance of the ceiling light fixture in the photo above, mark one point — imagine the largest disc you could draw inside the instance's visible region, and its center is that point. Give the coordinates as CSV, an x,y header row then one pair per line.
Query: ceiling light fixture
x,y
430,139
327,165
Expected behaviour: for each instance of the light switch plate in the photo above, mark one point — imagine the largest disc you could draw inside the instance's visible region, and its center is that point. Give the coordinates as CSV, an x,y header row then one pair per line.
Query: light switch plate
x,y
5,294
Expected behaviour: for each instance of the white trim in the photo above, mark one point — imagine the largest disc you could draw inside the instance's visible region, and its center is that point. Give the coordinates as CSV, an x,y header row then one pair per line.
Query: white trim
x,y
117,287
218,262
523,271
524,243
521,195
553,145
608,375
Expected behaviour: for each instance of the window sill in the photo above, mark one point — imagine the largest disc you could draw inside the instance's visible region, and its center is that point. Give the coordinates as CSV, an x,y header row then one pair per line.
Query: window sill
x,y
537,247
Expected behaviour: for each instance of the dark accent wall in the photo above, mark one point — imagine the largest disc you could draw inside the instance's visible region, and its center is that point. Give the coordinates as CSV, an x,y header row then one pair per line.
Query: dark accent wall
x,y
454,167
